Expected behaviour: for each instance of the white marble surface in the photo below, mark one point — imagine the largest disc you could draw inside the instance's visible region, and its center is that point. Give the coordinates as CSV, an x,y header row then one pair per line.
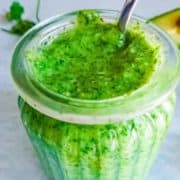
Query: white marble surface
x,y
17,159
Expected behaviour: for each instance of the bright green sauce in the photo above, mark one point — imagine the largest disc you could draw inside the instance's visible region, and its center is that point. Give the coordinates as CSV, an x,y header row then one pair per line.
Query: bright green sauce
x,y
94,60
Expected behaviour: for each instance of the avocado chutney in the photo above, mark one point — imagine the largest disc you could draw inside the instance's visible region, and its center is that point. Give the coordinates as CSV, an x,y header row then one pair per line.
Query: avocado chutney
x,y
95,60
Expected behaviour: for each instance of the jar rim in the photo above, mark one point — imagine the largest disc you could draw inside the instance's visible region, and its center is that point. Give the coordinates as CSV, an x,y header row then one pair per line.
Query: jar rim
x,y
47,101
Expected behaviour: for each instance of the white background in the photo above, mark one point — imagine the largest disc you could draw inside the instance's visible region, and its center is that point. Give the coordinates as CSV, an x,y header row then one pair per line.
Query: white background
x,y
17,159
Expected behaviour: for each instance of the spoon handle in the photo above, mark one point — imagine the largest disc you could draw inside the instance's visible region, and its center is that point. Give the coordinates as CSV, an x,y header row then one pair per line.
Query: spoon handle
x,y
126,13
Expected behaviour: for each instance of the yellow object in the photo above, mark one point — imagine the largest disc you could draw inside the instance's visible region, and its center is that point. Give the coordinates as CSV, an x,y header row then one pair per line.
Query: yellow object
x,y
169,22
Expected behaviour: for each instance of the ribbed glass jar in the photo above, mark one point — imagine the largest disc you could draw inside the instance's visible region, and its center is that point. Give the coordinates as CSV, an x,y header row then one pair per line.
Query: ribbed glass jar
x,y
111,139
123,150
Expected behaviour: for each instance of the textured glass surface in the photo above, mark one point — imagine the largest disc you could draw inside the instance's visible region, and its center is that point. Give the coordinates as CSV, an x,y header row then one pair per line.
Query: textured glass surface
x,y
119,151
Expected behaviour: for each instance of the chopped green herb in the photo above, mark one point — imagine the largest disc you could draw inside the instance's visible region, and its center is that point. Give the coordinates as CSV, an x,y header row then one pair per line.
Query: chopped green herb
x,y
15,12
22,26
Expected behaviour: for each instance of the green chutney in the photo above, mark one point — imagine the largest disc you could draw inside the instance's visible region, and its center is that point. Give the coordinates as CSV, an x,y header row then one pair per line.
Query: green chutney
x,y
95,60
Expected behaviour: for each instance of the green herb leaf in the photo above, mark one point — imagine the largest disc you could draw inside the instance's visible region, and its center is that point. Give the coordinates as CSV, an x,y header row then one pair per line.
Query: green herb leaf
x,y
22,26
16,11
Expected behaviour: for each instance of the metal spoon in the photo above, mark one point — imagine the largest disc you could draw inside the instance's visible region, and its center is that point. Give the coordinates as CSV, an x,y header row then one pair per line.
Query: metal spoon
x,y
126,13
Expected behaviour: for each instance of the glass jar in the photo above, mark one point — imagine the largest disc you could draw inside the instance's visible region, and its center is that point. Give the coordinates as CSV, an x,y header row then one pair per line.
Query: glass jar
x,y
108,139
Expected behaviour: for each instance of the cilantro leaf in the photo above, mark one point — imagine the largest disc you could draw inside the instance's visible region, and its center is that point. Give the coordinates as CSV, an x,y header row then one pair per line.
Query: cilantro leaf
x,y
20,27
16,11
15,14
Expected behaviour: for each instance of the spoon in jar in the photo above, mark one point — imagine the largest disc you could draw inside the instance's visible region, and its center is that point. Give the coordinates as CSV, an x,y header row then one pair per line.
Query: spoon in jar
x,y
126,14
